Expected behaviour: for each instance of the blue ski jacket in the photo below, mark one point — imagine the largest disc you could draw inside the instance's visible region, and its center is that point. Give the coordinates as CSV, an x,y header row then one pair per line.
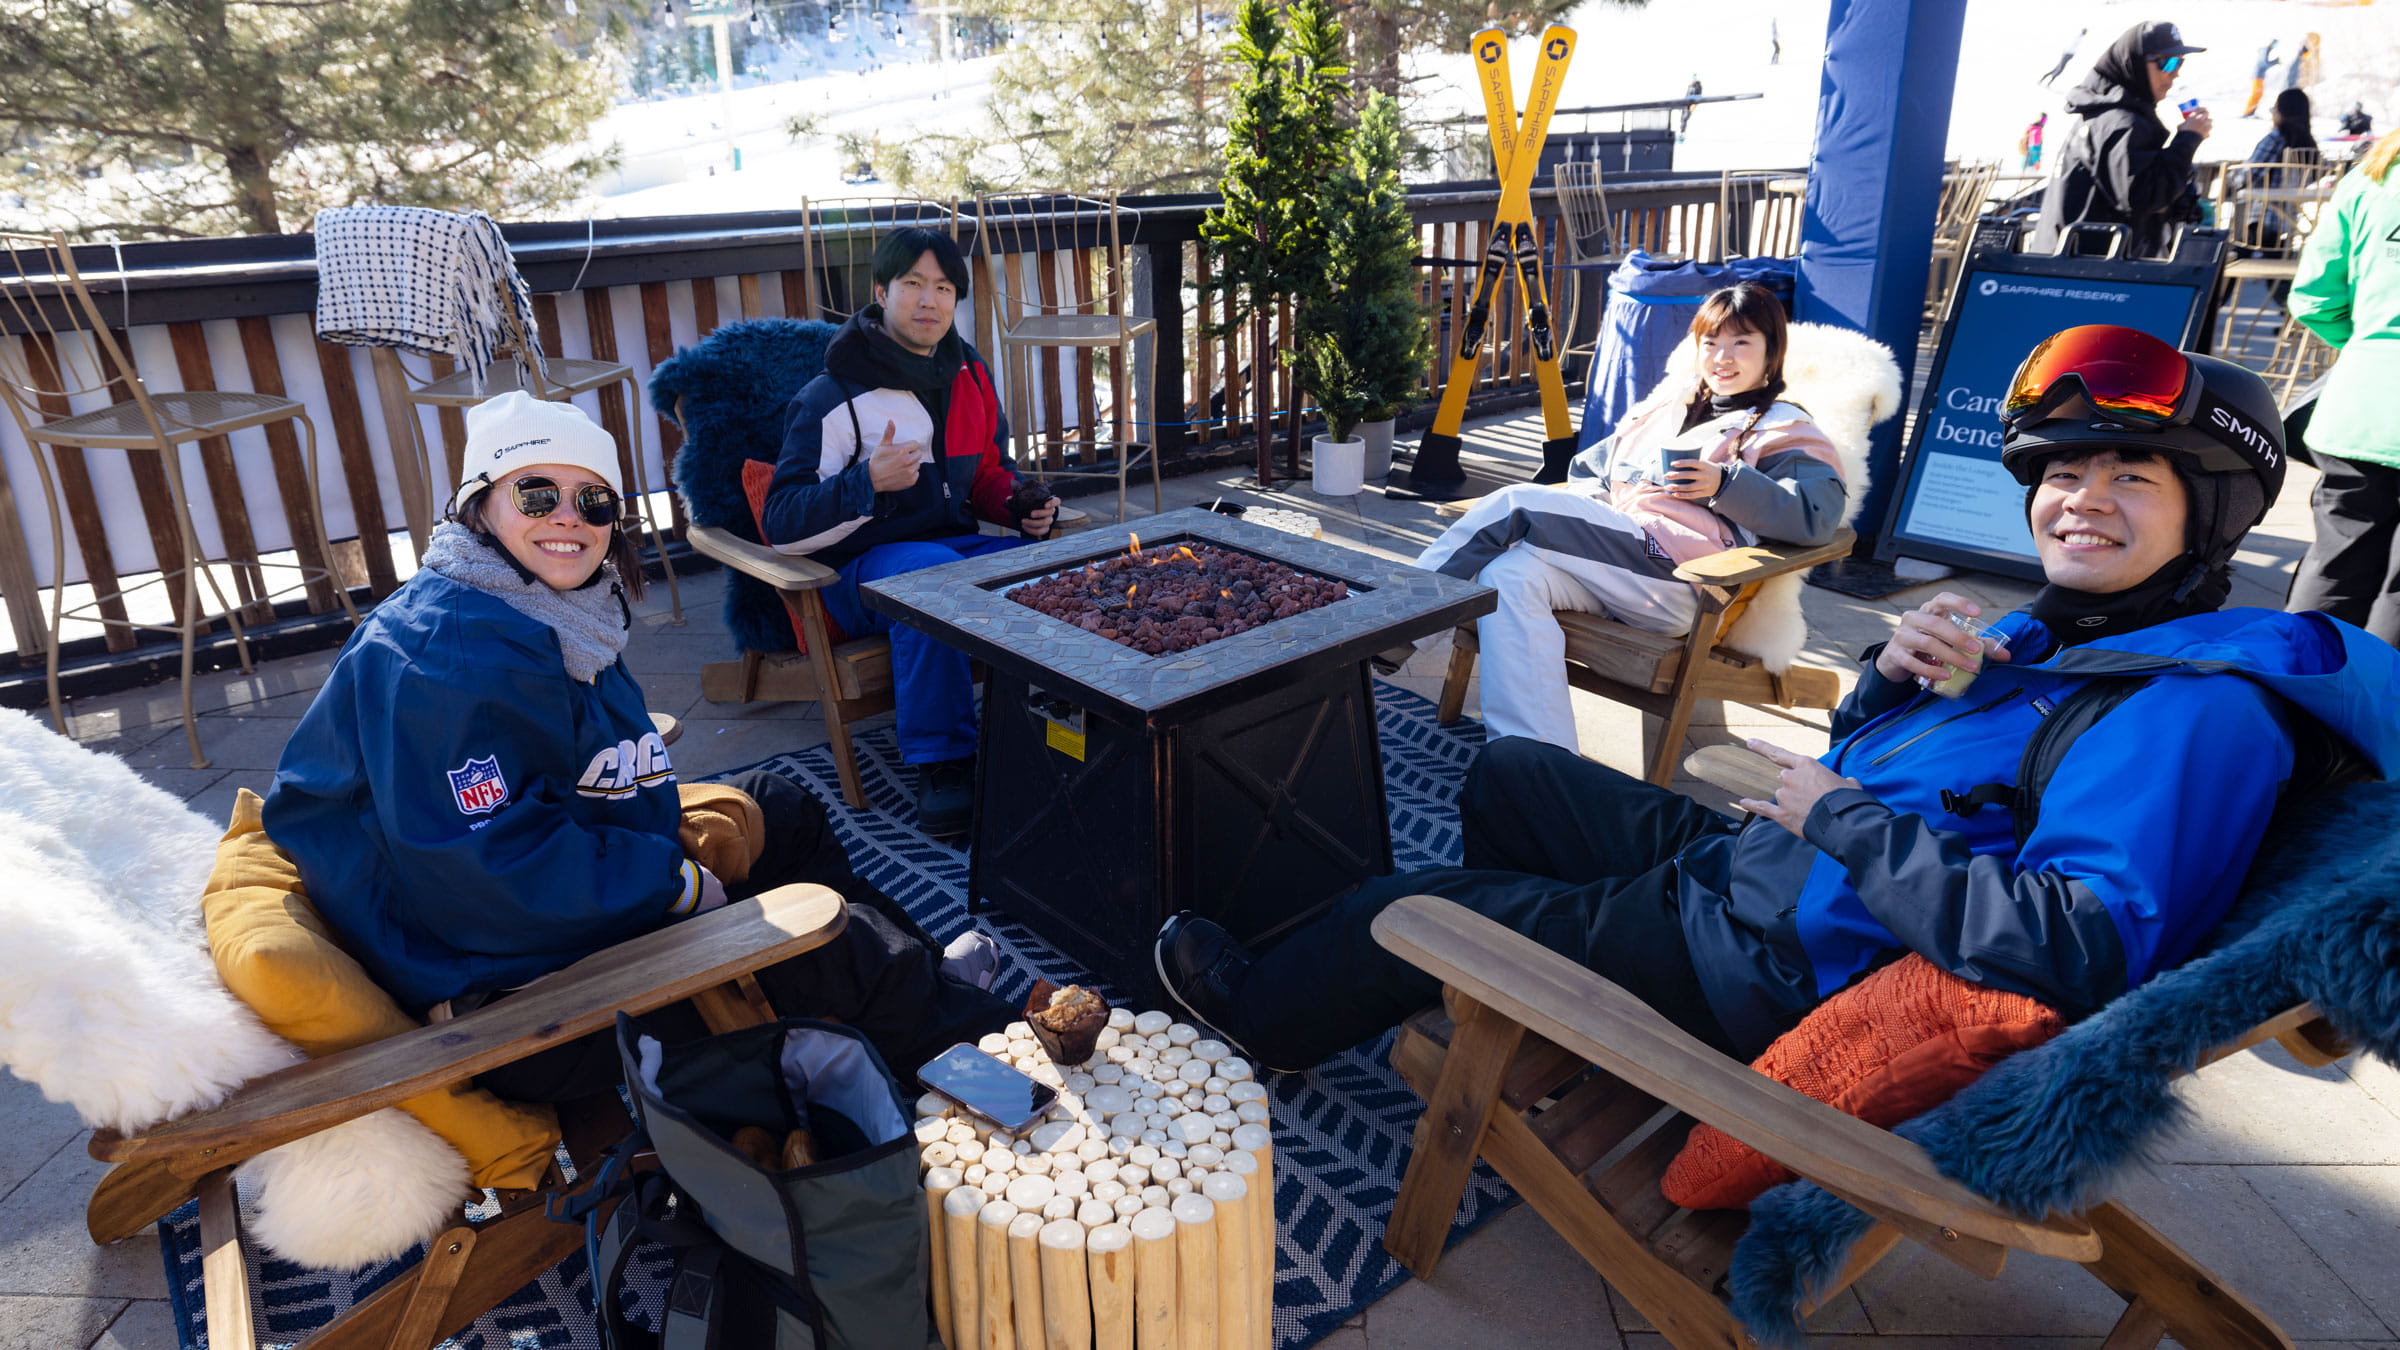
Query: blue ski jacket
x,y
468,817
2146,827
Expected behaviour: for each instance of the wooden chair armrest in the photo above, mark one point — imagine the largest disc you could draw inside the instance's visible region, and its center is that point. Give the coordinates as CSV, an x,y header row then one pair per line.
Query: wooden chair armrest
x,y
1736,567
1586,1014
1737,769
783,571
1456,508
639,975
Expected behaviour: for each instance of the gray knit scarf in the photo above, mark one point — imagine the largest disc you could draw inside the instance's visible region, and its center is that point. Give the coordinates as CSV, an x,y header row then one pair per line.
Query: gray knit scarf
x,y
590,622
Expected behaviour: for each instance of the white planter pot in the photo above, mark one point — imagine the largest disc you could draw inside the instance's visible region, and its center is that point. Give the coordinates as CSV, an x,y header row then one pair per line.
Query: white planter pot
x,y
1337,468
1378,436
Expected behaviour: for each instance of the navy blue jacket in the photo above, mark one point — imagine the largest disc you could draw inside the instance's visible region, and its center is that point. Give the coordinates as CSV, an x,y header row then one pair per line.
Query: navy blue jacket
x,y
2146,827
466,816
823,501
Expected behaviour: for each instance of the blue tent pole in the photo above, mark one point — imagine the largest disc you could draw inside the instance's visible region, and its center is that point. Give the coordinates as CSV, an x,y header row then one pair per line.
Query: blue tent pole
x,y
1874,183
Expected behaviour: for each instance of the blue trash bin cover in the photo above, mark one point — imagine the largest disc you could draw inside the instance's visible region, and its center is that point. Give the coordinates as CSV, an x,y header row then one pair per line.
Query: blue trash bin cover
x,y
1651,301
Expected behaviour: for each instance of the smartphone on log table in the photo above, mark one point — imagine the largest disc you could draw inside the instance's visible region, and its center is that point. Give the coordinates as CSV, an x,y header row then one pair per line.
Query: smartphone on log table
x,y
978,1083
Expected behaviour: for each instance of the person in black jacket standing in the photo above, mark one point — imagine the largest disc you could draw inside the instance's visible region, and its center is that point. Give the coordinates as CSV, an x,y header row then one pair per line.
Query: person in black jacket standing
x,y
2118,164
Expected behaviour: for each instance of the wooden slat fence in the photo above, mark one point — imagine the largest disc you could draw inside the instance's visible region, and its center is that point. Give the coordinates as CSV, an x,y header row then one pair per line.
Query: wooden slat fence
x,y
647,288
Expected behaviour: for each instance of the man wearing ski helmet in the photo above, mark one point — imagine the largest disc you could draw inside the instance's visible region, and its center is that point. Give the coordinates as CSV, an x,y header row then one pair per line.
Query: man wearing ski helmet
x,y
2069,866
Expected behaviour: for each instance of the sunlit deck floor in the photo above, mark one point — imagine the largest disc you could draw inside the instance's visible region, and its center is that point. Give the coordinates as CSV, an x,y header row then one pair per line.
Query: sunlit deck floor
x,y
2288,1185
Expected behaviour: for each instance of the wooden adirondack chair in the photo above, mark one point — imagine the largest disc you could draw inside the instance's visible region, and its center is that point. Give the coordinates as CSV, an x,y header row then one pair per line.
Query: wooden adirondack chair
x,y
477,1263
1666,676
1544,1069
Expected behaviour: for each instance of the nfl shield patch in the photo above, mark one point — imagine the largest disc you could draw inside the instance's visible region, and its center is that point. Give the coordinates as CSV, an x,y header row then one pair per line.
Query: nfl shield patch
x,y
478,785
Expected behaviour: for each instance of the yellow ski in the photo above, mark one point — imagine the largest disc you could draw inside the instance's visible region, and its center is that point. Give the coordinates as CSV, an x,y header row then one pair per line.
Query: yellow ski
x,y
1516,153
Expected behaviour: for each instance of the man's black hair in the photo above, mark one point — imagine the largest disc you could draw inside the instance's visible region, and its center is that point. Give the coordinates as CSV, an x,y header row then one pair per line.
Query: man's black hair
x,y
900,250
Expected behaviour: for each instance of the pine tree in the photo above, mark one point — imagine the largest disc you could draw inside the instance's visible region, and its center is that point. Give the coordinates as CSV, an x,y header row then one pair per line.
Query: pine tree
x,y
1382,31
1319,94
1364,309
1132,94
249,116
1092,95
1266,198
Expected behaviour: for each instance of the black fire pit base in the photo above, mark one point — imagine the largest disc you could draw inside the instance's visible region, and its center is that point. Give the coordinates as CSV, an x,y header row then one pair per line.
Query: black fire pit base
x,y
1091,831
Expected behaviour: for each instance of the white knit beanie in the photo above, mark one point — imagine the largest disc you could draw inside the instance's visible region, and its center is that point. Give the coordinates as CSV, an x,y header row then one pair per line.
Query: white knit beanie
x,y
515,431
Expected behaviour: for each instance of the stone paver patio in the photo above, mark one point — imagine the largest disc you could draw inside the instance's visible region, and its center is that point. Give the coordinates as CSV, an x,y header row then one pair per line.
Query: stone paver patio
x,y
2288,1184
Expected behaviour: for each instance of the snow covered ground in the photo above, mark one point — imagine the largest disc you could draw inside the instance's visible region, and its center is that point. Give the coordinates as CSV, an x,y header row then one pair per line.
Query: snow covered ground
x,y
1627,55
677,161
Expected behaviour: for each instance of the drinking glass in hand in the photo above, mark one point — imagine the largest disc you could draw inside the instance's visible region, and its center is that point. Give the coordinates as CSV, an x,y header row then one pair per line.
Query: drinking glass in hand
x,y
1955,683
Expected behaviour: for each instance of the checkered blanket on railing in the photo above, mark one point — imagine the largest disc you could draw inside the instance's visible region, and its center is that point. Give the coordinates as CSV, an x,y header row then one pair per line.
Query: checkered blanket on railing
x,y
424,281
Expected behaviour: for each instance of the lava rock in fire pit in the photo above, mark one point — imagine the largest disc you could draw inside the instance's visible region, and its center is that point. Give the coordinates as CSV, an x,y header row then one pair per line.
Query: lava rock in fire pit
x,y
1175,599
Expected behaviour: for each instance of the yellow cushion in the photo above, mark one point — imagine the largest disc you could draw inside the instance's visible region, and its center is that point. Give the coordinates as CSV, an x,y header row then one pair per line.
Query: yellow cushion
x,y
722,829
275,954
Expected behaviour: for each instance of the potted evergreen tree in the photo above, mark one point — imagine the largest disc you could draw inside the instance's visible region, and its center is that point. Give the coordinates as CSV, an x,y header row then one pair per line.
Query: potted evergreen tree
x,y
1337,460
1365,301
1285,140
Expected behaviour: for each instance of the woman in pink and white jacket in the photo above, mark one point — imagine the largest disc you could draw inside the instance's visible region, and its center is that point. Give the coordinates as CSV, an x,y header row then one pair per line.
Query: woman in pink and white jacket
x,y
1721,463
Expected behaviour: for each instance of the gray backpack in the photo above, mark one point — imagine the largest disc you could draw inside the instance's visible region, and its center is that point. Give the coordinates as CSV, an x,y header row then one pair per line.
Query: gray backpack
x,y
827,1256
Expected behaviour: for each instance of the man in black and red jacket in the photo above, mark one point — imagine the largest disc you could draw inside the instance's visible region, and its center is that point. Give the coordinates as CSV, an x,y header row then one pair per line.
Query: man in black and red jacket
x,y
889,459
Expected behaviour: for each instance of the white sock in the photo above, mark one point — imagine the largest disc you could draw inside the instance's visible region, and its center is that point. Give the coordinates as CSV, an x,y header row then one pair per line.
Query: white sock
x,y
972,958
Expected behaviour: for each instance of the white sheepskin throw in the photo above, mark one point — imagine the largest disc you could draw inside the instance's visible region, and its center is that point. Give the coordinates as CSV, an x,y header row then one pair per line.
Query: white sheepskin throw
x,y
110,1004
1848,382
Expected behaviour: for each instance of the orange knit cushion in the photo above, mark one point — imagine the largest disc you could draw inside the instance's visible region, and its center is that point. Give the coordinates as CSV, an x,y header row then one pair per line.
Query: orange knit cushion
x,y
756,475
1894,1045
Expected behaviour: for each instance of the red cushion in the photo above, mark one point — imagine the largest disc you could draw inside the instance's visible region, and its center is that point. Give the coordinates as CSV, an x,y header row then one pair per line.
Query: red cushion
x,y
757,474
1892,1046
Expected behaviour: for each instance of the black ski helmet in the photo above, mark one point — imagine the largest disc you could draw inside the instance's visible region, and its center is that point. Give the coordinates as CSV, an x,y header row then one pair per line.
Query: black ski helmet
x,y
2101,386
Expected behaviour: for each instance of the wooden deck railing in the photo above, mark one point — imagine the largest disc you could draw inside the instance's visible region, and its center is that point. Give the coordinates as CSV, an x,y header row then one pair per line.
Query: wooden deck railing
x,y
238,314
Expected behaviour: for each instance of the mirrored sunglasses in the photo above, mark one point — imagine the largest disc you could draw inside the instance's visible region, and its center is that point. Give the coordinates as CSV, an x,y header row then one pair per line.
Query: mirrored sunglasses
x,y
2169,64
596,504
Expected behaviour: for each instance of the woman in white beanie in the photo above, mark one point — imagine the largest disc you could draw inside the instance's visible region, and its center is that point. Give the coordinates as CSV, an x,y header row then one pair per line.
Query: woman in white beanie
x,y
478,797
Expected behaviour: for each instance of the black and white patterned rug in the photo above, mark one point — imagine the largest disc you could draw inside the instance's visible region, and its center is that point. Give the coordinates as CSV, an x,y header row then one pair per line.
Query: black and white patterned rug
x,y
1341,1130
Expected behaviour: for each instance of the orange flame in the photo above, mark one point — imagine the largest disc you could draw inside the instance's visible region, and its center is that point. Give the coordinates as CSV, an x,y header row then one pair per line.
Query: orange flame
x,y
1225,594
1129,591
1186,551
1137,543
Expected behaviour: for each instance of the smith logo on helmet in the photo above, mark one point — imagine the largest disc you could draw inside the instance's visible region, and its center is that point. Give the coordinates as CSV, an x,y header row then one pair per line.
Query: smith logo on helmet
x,y
2259,441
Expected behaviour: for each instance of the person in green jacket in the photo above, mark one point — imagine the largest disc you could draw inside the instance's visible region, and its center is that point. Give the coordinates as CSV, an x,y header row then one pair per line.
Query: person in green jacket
x,y
2348,293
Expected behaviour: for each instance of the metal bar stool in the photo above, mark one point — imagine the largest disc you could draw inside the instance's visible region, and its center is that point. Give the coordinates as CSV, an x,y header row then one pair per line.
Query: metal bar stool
x,y
69,353
1057,268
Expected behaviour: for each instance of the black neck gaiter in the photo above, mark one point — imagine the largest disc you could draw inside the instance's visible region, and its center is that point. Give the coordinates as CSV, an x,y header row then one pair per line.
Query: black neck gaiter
x,y
2178,590
1717,405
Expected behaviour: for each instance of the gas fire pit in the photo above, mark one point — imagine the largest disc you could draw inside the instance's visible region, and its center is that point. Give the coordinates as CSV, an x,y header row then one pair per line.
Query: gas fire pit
x,y
1172,599
1240,778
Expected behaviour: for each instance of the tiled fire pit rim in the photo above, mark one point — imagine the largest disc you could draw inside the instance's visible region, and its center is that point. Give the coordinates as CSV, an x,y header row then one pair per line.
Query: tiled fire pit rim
x,y
958,603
